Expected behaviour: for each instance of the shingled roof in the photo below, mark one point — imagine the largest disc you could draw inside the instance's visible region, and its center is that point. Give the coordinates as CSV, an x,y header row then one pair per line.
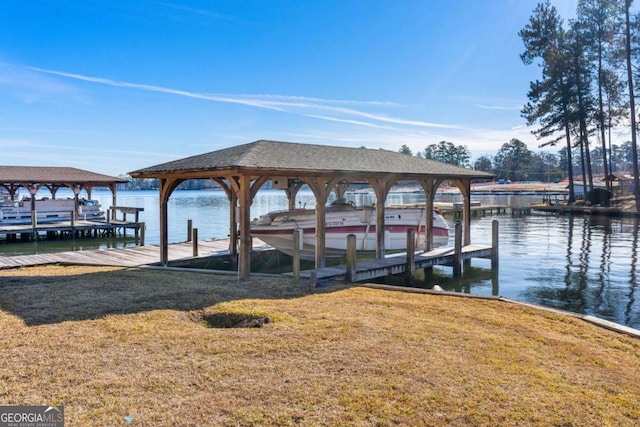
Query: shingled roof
x,y
307,159
54,175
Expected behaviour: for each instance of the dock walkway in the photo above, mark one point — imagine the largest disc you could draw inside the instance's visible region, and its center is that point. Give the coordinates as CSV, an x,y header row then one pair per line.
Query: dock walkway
x,y
62,229
563,209
133,256
139,256
367,270
477,210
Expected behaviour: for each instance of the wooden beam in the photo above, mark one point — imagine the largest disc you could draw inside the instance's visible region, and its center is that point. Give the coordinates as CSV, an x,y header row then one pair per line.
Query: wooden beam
x,y
465,189
244,198
381,187
318,186
257,184
430,187
292,192
232,196
233,225
167,186
341,189
321,189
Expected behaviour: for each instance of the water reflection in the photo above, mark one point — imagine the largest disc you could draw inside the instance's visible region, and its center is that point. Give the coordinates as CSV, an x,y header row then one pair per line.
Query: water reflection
x,y
632,316
598,274
472,280
583,264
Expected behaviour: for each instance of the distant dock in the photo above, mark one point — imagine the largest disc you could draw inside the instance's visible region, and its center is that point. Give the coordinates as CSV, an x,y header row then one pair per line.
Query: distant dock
x,y
67,229
76,228
564,209
477,209
521,188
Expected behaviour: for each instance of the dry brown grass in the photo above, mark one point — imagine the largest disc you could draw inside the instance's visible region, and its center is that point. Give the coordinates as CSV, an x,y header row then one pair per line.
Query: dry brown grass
x,y
119,345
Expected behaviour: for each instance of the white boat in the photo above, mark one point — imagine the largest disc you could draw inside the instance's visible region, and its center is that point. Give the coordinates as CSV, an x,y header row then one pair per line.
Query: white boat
x,y
48,210
276,229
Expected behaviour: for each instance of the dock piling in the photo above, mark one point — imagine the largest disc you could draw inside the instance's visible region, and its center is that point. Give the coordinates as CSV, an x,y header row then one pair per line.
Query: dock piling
x,y
411,257
194,235
457,257
494,245
34,224
351,258
312,278
143,229
296,255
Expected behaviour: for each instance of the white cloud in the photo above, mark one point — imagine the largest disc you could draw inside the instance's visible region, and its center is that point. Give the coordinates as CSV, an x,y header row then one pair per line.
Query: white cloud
x,y
293,104
29,86
500,107
201,12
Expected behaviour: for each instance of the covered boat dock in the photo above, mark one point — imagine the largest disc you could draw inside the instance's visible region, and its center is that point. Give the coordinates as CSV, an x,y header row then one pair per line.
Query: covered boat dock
x,y
242,170
33,178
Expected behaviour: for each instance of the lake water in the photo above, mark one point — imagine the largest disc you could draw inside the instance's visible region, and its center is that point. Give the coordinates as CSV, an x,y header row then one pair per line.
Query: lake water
x,y
582,264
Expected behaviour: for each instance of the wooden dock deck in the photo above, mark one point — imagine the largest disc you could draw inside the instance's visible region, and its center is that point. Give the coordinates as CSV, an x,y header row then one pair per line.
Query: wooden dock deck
x,y
137,256
564,209
392,265
134,256
456,209
63,229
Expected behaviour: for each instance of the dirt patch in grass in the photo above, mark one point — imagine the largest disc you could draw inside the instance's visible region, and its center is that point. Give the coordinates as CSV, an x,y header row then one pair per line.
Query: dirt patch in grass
x,y
229,320
128,347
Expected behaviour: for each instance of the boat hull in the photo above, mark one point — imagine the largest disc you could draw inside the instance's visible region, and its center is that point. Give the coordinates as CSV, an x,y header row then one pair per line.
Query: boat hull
x,y
276,230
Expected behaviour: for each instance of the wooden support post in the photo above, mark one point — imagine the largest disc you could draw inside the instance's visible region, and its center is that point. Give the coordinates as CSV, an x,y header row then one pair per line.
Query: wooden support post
x,y
34,224
189,229
457,254
195,241
411,257
233,226
296,255
73,219
494,245
495,286
244,199
351,258
143,228
313,275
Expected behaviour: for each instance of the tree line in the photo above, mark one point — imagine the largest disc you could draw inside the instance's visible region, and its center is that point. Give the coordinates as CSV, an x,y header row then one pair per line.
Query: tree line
x,y
516,162
588,77
589,74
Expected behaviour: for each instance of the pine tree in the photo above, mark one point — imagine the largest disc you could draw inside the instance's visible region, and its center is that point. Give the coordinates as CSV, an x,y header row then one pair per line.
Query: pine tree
x,y
552,100
632,108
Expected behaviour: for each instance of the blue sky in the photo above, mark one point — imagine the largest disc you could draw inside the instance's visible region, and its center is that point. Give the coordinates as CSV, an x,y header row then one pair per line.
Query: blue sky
x,y
113,86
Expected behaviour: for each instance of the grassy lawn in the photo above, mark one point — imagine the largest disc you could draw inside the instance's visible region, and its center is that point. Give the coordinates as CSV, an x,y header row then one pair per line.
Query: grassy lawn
x,y
145,347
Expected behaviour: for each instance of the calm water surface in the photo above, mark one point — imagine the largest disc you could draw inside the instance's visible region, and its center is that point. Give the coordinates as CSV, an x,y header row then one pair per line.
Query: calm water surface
x,y
581,264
